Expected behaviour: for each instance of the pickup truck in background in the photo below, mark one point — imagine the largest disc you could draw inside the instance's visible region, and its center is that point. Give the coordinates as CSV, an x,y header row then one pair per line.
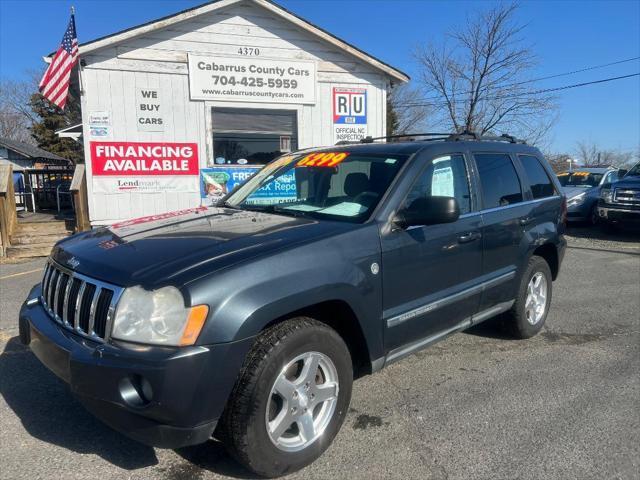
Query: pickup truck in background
x,y
619,203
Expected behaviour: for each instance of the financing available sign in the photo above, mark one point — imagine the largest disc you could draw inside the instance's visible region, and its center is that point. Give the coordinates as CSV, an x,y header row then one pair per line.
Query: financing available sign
x,y
349,114
251,79
119,167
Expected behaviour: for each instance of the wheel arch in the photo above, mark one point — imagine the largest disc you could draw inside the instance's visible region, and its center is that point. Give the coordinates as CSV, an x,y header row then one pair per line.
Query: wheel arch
x,y
337,314
549,253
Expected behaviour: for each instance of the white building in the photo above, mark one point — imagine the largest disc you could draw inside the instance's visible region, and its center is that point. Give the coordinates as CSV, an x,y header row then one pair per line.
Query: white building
x,y
169,101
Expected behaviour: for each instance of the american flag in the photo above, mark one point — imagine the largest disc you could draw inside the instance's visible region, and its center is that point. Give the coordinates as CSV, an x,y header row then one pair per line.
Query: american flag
x,y
54,85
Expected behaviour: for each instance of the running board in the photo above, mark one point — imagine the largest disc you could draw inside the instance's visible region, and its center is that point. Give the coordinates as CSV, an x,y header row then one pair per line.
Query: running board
x,y
401,352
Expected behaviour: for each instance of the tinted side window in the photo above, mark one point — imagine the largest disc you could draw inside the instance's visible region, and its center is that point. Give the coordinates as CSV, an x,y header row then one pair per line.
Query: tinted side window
x,y
444,177
499,180
541,186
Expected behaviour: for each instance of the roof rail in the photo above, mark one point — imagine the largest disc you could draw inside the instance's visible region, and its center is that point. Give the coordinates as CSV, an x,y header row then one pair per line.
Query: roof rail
x,y
466,135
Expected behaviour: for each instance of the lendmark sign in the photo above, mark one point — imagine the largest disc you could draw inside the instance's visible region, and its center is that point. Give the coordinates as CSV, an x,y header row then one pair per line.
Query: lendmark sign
x,y
119,167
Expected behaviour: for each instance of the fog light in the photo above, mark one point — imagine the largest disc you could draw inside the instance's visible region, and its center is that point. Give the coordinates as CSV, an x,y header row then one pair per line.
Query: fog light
x,y
136,391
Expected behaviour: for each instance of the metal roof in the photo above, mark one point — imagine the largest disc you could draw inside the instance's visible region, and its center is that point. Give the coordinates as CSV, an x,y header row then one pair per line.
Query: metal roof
x,y
29,151
204,8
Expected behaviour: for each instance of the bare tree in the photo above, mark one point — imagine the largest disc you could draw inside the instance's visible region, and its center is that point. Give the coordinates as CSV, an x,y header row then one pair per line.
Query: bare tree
x,y
559,161
410,114
16,115
591,155
479,81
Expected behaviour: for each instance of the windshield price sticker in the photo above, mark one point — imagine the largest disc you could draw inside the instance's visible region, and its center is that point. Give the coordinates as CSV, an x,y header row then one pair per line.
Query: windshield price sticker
x,y
323,159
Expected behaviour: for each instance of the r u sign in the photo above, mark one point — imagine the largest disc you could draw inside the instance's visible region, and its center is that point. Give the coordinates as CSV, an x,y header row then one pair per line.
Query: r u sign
x,y
349,105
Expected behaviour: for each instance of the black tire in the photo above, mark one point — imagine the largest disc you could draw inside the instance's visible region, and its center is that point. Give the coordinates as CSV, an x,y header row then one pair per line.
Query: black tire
x,y
243,427
516,319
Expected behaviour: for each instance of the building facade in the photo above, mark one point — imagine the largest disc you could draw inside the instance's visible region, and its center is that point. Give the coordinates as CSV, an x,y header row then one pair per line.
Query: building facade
x,y
181,109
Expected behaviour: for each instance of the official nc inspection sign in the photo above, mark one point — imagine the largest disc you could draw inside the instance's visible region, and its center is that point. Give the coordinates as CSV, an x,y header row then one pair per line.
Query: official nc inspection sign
x,y
349,114
251,79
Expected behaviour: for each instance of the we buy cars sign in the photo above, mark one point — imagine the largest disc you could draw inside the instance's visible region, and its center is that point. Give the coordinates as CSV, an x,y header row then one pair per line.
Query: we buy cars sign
x,y
119,167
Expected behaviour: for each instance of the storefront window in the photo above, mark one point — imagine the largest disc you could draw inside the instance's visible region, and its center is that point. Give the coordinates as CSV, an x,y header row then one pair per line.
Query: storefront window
x,y
252,136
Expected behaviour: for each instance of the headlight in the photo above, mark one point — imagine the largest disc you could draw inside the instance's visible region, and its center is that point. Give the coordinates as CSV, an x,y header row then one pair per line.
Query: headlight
x,y
576,200
606,194
157,317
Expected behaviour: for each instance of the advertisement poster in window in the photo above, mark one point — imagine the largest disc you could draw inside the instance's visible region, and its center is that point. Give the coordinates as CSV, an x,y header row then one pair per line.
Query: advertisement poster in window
x,y
349,114
216,182
144,167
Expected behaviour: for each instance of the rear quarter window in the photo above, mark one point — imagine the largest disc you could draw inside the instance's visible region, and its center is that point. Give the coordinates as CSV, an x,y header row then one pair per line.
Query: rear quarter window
x,y
499,180
539,181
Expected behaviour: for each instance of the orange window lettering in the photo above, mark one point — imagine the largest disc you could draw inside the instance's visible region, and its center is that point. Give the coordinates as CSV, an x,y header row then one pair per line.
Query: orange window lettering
x,y
328,159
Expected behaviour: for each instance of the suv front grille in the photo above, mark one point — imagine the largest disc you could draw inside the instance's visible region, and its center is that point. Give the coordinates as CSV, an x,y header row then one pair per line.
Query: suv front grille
x,y
79,303
627,196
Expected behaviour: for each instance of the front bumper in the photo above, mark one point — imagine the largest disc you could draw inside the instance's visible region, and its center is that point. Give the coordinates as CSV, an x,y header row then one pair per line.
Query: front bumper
x,y
162,396
618,214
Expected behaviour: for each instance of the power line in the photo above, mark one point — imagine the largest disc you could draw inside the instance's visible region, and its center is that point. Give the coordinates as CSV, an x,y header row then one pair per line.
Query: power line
x,y
535,92
572,72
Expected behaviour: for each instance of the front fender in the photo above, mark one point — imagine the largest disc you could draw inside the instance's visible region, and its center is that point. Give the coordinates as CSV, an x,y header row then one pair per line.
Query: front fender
x,y
246,298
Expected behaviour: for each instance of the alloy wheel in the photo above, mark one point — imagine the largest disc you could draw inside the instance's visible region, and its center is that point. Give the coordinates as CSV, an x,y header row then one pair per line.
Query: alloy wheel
x,y
302,401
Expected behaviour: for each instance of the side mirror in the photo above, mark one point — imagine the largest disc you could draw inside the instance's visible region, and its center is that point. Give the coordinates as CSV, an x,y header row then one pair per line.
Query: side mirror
x,y
429,211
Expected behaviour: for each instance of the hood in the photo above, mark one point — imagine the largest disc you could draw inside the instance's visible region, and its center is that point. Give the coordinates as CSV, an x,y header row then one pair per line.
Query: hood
x,y
156,250
571,192
627,182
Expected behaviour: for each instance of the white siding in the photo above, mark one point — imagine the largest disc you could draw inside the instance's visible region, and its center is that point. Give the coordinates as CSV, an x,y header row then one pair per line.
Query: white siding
x,y
112,75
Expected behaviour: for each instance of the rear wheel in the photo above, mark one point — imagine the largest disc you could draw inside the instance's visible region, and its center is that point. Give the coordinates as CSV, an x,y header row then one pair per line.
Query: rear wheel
x,y
529,312
290,399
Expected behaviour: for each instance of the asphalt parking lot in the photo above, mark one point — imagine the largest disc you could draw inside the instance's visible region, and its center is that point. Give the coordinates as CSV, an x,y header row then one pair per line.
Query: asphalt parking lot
x,y
565,404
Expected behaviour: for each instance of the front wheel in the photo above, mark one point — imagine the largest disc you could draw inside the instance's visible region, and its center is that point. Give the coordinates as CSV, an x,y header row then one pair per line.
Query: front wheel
x,y
529,312
290,399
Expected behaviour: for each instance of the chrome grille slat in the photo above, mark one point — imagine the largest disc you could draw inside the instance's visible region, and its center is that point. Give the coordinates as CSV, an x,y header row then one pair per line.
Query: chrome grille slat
x,y
45,280
51,290
64,289
92,310
76,317
65,305
56,293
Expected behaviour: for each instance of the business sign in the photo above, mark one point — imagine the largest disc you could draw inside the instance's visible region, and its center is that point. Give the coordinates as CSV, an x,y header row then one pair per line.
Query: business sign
x,y
100,124
216,182
250,79
148,110
349,114
118,167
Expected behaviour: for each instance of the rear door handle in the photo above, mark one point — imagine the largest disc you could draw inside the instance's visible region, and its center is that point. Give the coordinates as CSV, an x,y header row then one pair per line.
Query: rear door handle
x,y
524,221
469,237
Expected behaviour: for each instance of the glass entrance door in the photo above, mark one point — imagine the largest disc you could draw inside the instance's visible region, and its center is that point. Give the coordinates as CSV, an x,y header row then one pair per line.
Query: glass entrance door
x,y
252,136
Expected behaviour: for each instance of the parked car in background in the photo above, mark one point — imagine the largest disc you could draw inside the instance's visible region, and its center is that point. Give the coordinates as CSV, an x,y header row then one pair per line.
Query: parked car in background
x,y
619,202
582,189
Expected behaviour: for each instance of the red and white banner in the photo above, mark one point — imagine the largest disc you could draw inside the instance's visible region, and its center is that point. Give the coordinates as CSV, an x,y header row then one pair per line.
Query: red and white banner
x,y
118,167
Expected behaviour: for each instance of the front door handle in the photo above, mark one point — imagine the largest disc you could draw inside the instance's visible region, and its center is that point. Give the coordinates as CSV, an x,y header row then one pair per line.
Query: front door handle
x,y
469,237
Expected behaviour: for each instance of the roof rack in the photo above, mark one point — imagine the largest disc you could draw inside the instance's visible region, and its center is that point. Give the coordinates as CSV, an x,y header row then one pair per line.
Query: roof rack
x,y
449,137
466,135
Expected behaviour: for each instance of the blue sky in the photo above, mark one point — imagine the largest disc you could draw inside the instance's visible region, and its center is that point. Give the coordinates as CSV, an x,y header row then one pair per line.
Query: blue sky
x,y
566,35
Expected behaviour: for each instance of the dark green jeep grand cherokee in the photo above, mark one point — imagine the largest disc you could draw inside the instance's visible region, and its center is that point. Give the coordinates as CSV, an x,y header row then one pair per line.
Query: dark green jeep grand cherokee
x,y
249,321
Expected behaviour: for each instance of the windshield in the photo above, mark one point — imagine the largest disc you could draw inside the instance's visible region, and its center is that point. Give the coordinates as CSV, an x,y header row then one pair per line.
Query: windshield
x,y
335,185
634,172
580,179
